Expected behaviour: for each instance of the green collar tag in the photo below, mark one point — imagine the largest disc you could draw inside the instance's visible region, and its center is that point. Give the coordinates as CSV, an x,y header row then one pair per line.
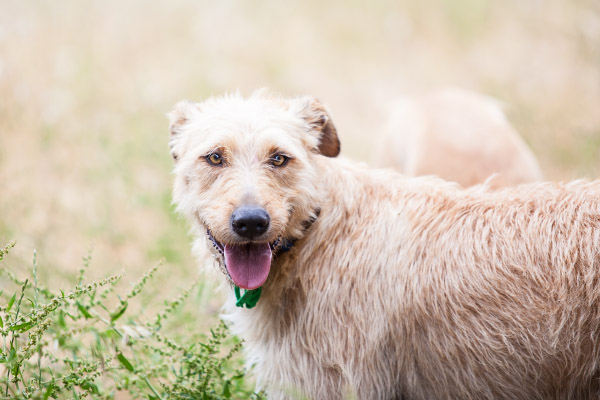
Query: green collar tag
x,y
248,299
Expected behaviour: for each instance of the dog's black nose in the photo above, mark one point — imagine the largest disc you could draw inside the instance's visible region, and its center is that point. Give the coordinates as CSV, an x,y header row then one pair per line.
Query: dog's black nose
x,y
250,222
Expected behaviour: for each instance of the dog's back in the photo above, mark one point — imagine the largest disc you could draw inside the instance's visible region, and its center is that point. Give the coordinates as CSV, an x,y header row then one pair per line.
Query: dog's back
x,y
507,294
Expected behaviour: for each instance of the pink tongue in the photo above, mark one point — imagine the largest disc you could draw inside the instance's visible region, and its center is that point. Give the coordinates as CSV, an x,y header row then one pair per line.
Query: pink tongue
x,y
248,264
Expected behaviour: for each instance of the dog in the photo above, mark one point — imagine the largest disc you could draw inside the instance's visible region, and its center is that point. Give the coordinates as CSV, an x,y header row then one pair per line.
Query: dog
x,y
379,286
457,135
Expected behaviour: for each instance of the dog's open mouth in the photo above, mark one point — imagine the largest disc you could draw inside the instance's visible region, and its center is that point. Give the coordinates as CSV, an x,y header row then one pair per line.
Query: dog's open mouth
x,y
248,264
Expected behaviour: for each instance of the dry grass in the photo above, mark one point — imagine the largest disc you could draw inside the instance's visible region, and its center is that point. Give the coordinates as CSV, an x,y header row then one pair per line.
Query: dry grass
x,y
85,85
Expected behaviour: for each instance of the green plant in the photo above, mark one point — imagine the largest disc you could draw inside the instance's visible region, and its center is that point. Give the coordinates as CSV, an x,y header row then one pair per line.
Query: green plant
x,y
74,344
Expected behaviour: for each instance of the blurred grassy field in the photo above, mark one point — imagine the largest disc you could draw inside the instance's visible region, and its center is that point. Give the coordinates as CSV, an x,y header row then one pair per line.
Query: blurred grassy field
x,y
84,87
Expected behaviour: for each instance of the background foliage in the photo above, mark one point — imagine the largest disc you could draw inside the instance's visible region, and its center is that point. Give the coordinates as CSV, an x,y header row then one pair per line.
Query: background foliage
x,y
87,342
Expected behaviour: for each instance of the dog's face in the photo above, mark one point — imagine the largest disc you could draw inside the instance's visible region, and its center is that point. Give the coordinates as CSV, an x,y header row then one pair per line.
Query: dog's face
x,y
244,172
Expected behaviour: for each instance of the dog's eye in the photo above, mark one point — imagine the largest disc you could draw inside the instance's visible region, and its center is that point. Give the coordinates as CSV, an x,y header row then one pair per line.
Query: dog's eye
x,y
214,159
278,160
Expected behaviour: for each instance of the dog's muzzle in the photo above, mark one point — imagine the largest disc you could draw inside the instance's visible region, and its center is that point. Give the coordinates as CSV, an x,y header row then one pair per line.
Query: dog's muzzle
x,y
248,264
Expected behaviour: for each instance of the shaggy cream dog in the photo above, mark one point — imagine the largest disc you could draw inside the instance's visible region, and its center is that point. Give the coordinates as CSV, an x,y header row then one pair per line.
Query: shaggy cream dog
x,y
378,286
457,135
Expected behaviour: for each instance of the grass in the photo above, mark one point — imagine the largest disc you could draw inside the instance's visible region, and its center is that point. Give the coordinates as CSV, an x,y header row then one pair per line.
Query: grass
x,y
87,342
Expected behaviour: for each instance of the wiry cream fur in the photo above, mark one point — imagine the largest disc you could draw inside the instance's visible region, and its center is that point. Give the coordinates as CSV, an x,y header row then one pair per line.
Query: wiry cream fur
x,y
406,288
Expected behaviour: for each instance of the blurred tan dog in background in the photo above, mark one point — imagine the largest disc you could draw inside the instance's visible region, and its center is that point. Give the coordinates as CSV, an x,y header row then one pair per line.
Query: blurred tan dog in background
x,y
391,287
457,135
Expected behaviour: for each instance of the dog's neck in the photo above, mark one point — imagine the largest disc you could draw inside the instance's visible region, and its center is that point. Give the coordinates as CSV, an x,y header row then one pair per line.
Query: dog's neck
x,y
306,224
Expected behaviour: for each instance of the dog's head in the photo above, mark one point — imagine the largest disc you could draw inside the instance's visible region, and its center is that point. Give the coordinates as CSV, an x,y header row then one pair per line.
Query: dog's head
x,y
245,173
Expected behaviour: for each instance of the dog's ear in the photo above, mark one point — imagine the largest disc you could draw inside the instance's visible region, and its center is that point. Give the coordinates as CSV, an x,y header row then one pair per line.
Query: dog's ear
x,y
315,113
177,119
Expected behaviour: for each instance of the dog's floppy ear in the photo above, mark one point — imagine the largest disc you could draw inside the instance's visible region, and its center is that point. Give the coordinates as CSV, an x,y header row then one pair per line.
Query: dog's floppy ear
x,y
315,113
177,119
